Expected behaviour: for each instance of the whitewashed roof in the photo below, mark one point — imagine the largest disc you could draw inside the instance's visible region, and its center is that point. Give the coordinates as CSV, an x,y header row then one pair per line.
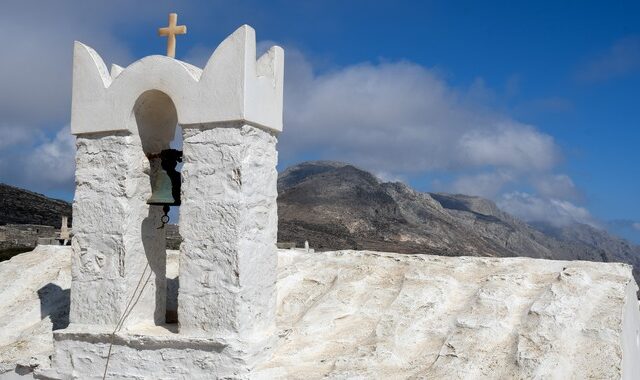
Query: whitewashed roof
x,y
358,314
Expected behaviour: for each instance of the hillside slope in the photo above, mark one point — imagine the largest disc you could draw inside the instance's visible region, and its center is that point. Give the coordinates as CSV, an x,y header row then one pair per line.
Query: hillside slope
x,y
19,206
338,206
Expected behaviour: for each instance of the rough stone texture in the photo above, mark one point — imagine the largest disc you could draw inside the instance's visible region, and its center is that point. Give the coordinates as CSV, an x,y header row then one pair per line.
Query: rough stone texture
x,y
151,353
34,299
116,240
358,314
19,206
228,222
14,236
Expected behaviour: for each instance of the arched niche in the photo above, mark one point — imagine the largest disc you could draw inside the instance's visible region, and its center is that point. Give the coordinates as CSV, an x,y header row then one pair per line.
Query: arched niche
x,y
156,120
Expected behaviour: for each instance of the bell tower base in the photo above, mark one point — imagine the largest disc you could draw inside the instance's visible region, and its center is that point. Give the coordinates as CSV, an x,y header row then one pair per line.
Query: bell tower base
x,y
83,350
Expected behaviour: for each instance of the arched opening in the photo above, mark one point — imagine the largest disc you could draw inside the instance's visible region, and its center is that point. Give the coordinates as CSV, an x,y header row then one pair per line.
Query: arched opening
x,y
173,241
157,121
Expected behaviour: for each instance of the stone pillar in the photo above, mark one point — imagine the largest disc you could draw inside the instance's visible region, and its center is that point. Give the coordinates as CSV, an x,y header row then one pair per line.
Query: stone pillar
x,y
228,222
115,236
64,228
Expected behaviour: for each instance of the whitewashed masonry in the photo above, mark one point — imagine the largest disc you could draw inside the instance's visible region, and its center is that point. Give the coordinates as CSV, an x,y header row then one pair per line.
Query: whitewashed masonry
x,y
230,114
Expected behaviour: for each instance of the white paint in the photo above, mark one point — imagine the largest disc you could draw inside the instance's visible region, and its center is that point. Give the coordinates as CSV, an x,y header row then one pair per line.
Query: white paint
x,y
233,87
230,114
630,339
358,314
33,287
355,314
228,222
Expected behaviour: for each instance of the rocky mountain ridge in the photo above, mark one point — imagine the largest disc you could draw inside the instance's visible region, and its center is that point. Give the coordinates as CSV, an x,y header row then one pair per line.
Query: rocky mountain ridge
x,y
19,206
338,206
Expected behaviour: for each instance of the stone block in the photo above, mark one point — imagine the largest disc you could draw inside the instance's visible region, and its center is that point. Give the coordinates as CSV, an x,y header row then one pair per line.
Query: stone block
x,y
97,302
97,256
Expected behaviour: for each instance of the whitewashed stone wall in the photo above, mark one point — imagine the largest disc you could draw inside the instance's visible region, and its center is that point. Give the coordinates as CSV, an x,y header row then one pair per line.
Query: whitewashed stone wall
x,y
162,356
228,221
230,113
228,259
355,314
116,236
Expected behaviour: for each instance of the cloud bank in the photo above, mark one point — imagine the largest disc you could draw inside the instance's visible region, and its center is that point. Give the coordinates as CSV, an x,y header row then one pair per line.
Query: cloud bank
x,y
397,118
35,73
556,212
406,120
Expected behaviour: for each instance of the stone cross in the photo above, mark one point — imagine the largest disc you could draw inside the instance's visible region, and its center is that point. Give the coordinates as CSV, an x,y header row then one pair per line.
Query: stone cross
x,y
170,32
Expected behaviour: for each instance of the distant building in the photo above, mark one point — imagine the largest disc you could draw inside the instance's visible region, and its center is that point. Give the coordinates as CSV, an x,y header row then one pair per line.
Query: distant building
x,y
18,238
13,236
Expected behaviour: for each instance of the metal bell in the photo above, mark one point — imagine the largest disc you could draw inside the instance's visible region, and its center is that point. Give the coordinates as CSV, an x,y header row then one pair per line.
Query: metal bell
x,y
162,190
165,184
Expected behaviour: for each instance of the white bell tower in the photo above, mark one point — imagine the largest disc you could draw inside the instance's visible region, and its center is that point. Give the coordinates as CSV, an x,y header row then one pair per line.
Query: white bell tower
x,y
229,114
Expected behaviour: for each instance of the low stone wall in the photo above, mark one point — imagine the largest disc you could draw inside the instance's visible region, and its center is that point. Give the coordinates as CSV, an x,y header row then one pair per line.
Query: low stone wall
x,y
23,236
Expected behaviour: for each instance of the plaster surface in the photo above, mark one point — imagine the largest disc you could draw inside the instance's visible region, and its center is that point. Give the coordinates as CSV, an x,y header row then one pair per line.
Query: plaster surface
x,y
228,222
34,298
229,114
234,86
116,240
358,314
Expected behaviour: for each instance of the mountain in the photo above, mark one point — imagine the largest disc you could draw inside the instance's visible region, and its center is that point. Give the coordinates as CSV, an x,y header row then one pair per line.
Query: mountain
x,y
19,206
338,206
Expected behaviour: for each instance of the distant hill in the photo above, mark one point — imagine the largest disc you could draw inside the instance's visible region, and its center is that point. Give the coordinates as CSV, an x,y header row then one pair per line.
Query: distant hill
x,y
335,206
338,206
19,206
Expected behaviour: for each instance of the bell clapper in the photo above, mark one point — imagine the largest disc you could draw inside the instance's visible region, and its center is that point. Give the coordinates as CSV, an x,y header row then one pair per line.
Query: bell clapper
x,y
165,218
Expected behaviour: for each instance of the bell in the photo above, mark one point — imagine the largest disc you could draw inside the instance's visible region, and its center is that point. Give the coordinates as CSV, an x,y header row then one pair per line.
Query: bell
x,y
165,184
162,191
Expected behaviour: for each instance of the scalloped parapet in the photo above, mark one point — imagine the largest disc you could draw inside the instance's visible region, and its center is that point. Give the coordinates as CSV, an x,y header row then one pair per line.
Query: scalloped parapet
x,y
233,86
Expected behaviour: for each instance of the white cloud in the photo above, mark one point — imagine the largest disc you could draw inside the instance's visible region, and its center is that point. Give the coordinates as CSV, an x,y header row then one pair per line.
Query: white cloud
x,y
559,186
389,177
12,135
533,208
636,226
52,163
509,145
35,77
486,185
621,59
402,118
41,163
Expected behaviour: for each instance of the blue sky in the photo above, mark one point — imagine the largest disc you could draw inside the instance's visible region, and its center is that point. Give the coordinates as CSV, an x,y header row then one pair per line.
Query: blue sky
x,y
532,104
